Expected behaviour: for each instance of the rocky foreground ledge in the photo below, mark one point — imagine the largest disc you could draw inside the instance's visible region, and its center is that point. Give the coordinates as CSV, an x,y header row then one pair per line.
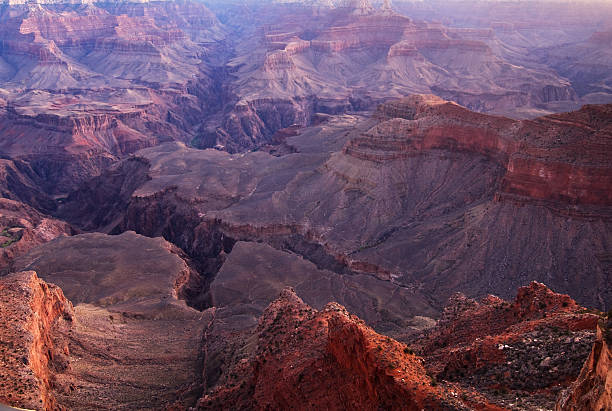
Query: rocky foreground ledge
x,y
143,347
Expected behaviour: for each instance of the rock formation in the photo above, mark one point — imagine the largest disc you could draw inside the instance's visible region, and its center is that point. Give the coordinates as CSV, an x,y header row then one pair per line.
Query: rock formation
x,y
424,194
298,353
559,157
128,341
31,311
84,84
593,388
528,349
586,63
23,228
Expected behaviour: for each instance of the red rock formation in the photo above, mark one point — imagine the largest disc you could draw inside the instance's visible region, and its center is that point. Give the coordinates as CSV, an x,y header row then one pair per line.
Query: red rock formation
x,y
23,228
562,158
535,344
30,310
593,389
301,354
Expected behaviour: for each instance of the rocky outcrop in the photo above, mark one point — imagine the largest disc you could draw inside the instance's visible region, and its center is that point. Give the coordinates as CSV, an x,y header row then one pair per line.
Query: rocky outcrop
x,y
253,274
593,388
298,353
23,228
30,311
534,345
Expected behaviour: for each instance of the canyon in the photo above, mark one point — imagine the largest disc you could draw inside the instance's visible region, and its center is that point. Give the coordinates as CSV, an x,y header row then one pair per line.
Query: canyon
x,y
84,84
433,188
240,204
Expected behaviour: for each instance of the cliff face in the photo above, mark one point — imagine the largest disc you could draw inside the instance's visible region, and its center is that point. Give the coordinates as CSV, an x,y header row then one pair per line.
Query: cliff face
x,y
299,353
30,312
593,388
561,157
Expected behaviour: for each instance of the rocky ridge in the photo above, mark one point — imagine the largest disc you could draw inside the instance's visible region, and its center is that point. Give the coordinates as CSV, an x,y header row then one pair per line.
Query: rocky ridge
x,y
31,312
290,356
297,353
529,349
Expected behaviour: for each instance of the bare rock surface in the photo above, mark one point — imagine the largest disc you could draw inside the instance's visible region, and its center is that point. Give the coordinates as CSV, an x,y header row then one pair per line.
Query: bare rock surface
x,y
593,388
426,194
131,341
296,353
23,228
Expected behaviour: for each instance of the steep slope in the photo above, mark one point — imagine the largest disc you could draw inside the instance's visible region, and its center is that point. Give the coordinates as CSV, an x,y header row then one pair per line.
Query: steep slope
x,y
127,345
130,341
593,389
30,312
253,274
296,354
